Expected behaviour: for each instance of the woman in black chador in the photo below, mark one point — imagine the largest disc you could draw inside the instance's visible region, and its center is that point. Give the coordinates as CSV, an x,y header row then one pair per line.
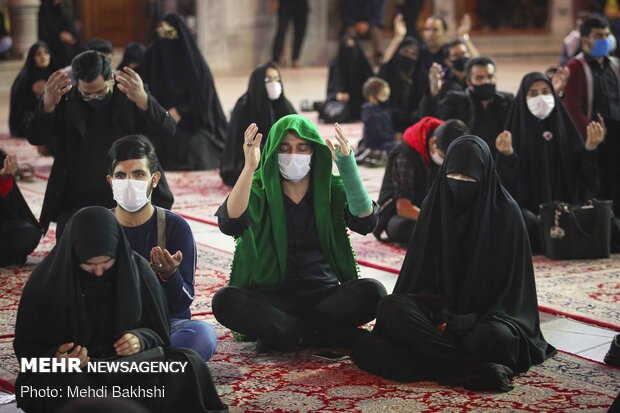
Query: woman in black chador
x,y
263,103
180,79
56,29
464,308
93,298
546,159
28,87
347,74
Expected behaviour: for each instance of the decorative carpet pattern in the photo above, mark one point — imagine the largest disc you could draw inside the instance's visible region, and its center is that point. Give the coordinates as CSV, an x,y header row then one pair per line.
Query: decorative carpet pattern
x,y
284,383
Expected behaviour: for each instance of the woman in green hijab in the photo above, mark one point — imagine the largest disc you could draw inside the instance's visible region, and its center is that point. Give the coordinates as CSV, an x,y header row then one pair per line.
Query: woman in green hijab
x,y
294,279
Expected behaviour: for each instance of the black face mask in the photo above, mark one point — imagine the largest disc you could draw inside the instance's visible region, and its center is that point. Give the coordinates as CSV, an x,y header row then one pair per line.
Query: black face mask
x,y
484,91
99,103
459,64
406,63
463,193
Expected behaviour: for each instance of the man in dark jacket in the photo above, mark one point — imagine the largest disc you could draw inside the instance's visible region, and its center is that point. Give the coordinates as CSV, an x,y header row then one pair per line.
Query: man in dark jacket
x,y
80,123
483,109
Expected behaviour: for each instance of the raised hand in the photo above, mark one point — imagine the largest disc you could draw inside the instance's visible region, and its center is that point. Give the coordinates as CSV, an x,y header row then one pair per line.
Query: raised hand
x,y
400,27
503,143
56,86
10,165
165,263
342,146
251,146
595,135
465,26
435,78
559,79
130,83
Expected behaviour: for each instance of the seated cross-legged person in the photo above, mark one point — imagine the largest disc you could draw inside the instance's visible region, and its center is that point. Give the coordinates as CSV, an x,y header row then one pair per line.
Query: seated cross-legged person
x,y
294,280
410,171
153,232
464,309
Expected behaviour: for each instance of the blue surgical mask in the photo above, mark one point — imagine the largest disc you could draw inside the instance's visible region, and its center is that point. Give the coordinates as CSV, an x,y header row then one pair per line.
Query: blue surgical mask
x,y
601,48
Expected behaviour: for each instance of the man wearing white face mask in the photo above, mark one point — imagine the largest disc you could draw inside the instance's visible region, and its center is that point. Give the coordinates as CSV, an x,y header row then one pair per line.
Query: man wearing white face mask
x,y
593,92
541,157
410,171
153,232
294,279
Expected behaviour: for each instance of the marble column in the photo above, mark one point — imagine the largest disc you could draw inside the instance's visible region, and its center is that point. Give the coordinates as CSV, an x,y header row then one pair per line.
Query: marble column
x,y
24,24
561,17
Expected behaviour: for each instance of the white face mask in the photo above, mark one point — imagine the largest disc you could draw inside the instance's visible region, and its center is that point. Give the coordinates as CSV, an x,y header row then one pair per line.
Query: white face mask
x,y
294,166
274,90
541,105
130,194
436,158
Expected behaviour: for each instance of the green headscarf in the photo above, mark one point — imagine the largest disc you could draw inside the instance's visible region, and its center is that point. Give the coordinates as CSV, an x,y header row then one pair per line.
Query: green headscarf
x,y
261,253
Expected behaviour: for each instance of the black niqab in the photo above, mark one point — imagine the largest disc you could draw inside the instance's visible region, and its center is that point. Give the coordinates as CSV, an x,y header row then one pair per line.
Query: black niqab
x,y
254,106
407,82
23,99
53,309
175,70
549,170
477,259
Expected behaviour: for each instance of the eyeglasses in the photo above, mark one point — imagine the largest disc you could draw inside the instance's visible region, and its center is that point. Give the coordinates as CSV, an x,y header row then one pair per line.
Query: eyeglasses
x,y
99,95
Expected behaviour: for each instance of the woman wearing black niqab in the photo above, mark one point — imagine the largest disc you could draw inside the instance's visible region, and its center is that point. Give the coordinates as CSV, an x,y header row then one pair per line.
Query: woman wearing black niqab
x,y
28,87
549,161
347,74
407,84
93,292
256,105
464,308
180,79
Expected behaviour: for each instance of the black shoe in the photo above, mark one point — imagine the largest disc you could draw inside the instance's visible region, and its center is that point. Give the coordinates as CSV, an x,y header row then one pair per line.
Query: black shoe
x,y
613,355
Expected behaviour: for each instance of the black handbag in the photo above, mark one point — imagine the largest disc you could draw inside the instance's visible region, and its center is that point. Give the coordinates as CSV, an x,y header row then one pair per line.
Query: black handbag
x,y
576,231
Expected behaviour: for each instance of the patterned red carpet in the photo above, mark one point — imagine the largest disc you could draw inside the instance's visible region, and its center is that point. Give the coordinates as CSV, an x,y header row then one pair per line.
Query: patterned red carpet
x,y
279,383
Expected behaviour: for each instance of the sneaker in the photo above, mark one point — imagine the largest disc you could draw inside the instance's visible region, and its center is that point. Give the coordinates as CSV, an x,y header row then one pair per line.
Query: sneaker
x,y
362,155
377,159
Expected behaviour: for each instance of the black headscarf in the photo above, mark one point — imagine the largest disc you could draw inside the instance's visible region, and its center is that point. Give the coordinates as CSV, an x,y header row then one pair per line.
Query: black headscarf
x,y
22,97
407,82
133,54
548,170
351,70
254,106
53,311
14,206
175,69
475,255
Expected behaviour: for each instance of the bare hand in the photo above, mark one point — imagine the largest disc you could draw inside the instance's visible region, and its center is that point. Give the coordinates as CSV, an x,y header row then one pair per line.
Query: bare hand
x,y
503,143
342,97
56,86
130,83
400,27
465,26
78,352
66,37
164,263
10,165
175,114
595,135
127,345
560,78
38,88
342,146
251,146
435,78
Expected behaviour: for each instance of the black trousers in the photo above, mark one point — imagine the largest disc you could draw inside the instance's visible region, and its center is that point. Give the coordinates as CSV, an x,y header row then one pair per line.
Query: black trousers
x,y
284,318
399,229
17,239
406,346
297,11
609,167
